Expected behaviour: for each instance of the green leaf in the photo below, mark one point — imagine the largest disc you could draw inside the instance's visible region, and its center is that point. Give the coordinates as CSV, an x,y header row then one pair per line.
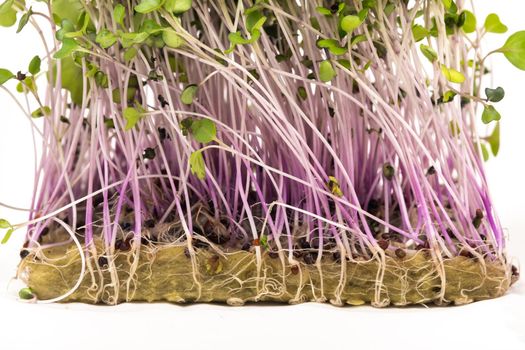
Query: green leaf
x,y
469,26
197,165
323,11
177,6
130,54
5,224
68,47
41,112
188,94
447,3
24,19
495,95
5,75
490,114
514,49
494,25
454,129
334,187
34,65
484,152
132,116
7,236
172,39
263,241
70,72
203,130
326,71
494,140
7,14
332,45
66,27
119,12
147,6
350,22
26,294
130,39
429,53
66,9
452,75
106,38
419,32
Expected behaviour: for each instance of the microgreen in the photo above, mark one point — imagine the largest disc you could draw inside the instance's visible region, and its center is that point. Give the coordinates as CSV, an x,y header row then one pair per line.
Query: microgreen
x,y
326,71
320,129
514,49
452,75
494,25
495,95
188,94
490,114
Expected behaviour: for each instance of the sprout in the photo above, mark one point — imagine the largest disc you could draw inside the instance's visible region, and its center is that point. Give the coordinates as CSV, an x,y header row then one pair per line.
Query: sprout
x,y
262,150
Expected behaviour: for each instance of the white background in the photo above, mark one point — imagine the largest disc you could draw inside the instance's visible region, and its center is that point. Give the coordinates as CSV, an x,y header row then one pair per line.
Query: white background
x,y
497,324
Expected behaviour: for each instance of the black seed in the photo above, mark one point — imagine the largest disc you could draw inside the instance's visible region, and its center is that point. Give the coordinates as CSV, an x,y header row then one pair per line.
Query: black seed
x,y
163,134
123,245
400,253
383,244
303,243
149,153
162,101
225,222
373,205
334,8
20,76
309,258
208,227
515,271
103,261
273,255
45,231
24,253
297,254
246,246
200,244
431,171
150,223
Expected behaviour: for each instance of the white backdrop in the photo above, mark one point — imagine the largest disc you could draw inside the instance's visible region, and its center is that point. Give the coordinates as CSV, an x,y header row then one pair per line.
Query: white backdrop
x,y
491,324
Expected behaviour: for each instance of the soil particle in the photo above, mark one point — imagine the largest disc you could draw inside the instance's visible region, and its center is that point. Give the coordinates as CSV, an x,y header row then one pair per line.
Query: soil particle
x,y
294,269
246,246
150,223
336,256
273,255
